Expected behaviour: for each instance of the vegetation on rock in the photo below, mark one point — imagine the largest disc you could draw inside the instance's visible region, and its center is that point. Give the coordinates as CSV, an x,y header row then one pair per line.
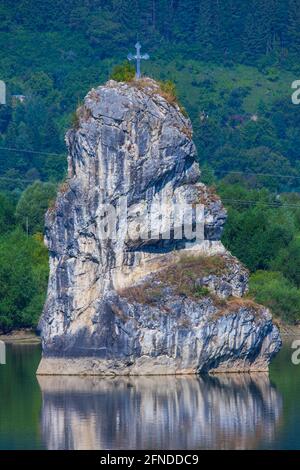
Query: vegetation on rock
x,y
183,277
123,73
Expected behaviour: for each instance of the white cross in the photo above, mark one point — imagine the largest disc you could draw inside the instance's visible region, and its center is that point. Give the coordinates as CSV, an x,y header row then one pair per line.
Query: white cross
x,y
138,57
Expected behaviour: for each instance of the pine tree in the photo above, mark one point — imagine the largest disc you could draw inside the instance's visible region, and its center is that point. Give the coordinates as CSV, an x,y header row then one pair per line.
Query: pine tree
x,y
165,18
186,20
233,16
203,28
294,25
128,15
259,36
281,21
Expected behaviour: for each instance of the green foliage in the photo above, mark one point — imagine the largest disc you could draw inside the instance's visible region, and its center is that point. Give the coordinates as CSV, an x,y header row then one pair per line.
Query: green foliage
x,y
207,175
33,203
123,73
24,261
263,233
255,231
169,92
232,64
169,88
39,83
7,216
201,292
288,262
23,280
275,291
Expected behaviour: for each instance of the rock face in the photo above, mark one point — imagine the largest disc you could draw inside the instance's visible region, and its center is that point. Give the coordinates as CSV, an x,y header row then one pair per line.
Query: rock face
x,y
155,292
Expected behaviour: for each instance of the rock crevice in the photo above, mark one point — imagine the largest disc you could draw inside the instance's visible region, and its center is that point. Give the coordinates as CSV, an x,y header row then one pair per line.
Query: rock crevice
x,y
143,300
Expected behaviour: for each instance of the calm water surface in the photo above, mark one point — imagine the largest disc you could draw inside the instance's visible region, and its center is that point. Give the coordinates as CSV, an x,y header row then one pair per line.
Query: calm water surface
x,y
226,412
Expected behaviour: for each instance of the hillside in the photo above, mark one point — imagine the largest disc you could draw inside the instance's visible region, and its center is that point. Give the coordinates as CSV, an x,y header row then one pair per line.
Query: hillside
x,y
232,64
229,62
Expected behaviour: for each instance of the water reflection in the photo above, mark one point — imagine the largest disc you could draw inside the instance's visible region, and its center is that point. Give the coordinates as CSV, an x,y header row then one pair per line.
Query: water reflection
x,y
224,412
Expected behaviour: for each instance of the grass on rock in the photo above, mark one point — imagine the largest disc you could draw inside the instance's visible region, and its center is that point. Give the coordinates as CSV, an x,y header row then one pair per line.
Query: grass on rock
x,y
183,277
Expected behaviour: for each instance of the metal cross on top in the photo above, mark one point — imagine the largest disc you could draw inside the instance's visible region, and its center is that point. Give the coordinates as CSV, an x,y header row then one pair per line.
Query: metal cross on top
x,y
138,57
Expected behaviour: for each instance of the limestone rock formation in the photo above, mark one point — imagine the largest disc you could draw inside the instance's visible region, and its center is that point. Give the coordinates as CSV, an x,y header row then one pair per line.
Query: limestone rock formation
x,y
152,294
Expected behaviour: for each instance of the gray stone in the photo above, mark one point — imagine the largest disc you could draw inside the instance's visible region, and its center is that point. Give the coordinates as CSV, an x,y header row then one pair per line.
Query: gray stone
x,y
130,142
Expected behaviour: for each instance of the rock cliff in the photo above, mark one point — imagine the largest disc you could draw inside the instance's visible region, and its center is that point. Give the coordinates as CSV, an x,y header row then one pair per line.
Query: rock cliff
x,y
154,292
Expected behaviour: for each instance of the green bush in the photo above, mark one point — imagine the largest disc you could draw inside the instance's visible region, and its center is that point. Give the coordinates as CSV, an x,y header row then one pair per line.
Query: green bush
x,y
169,92
23,280
288,262
33,204
201,291
169,88
7,216
123,73
276,292
255,232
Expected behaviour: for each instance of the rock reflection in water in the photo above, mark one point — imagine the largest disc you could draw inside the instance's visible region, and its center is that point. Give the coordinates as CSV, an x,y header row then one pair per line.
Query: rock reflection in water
x,y
224,412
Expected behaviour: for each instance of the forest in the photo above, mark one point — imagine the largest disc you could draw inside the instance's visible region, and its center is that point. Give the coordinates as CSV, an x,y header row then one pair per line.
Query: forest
x,y
232,63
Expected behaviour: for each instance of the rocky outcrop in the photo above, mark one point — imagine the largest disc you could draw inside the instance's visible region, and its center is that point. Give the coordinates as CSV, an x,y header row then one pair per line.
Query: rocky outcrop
x,y
155,292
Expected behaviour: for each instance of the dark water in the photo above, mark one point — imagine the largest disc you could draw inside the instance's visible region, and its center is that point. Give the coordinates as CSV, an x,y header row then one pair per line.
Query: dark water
x,y
226,412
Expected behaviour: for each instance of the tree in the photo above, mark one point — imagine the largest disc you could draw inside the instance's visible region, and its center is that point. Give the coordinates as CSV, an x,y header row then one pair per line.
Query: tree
x,y
7,217
254,231
288,262
186,15
294,24
5,117
40,84
33,204
128,15
276,292
23,280
106,34
260,34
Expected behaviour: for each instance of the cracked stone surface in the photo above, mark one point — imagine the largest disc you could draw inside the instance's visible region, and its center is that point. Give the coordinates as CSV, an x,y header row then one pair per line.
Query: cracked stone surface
x,y
132,144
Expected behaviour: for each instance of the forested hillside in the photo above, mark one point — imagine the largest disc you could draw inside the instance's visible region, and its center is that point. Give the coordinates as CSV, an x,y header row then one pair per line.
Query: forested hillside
x,y
233,64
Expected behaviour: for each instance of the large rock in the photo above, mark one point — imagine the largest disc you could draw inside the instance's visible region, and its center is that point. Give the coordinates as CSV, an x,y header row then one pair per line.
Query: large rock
x,y
143,300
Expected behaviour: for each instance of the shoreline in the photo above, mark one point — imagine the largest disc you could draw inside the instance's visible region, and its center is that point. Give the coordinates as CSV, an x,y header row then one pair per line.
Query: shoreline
x,y
22,336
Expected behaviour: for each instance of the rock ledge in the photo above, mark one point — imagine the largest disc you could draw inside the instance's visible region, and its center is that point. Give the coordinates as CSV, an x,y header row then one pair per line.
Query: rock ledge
x,y
131,305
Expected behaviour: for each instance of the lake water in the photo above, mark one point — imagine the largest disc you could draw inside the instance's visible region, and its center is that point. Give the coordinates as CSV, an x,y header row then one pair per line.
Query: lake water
x,y
225,412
